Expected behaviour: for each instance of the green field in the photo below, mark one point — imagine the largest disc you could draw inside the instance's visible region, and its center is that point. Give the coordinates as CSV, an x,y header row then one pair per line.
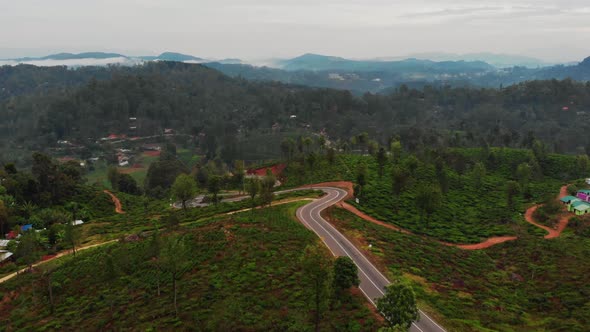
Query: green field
x,y
242,272
530,284
469,212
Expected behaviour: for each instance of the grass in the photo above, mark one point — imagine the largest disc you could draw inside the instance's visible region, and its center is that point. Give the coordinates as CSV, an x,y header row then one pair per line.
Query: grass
x,y
530,284
245,274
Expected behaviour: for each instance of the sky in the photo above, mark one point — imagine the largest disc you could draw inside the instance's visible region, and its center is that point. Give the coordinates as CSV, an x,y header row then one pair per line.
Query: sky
x,y
256,29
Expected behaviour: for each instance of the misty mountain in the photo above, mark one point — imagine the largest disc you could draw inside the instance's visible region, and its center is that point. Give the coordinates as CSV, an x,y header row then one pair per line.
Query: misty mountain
x,y
494,59
72,56
315,62
171,56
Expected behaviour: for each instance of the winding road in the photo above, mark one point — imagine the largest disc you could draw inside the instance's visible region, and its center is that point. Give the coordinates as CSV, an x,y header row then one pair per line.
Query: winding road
x,y
373,283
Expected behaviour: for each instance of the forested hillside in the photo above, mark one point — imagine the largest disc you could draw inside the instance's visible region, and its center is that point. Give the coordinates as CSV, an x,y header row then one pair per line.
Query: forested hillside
x,y
230,115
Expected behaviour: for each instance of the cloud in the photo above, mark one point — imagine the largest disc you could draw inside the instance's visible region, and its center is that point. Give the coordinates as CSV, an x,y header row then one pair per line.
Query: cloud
x,y
265,28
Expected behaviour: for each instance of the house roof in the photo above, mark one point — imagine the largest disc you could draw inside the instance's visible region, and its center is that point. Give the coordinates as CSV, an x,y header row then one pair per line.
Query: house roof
x,y
4,243
582,207
26,227
568,198
584,191
578,203
4,255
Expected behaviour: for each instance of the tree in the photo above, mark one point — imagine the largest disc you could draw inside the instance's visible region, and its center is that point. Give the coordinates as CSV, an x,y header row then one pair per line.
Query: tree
x,y
512,189
361,178
27,250
523,173
288,148
72,236
331,155
400,177
396,151
253,187
113,176
127,184
345,274
411,163
184,188
3,217
214,186
381,160
363,140
266,188
428,199
398,305
176,262
441,175
582,165
238,177
478,173
317,268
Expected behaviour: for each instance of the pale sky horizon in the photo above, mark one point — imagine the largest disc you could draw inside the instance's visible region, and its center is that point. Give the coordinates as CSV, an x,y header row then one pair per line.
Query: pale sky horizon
x,y
551,30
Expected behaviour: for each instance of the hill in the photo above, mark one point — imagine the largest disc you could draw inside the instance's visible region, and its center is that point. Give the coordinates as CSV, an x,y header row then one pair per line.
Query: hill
x,y
231,117
315,62
244,272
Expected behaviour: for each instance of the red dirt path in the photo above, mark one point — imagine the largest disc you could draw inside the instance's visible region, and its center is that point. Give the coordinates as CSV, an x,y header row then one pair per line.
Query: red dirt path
x,y
349,188
116,201
561,224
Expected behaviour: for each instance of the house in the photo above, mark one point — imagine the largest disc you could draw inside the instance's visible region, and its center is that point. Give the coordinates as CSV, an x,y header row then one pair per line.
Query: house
x,y
582,209
77,222
583,194
574,203
5,255
568,199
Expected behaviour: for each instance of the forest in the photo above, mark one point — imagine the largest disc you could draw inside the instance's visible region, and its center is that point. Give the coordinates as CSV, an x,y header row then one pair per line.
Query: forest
x,y
230,116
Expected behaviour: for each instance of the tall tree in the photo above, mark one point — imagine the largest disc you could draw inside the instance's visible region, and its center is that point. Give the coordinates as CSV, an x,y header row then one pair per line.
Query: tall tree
x,y
398,305
478,173
428,199
512,189
400,178
381,160
27,250
253,187
266,188
345,275
317,269
214,186
238,177
113,176
523,173
72,236
176,262
396,151
184,188
3,218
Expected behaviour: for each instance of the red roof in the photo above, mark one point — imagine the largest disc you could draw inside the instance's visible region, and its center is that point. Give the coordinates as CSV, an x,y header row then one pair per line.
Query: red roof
x,y
11,235
276,170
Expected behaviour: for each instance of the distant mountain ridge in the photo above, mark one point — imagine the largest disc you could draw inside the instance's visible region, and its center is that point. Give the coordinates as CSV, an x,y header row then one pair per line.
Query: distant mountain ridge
x,y
316,62
166,56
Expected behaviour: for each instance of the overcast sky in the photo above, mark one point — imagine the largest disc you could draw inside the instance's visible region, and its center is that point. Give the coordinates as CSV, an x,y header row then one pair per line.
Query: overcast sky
x,y
547,29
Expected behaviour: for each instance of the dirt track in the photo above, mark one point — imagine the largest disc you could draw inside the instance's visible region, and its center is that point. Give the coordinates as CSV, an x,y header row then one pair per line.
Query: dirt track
x,y
349,187
561,224
116,201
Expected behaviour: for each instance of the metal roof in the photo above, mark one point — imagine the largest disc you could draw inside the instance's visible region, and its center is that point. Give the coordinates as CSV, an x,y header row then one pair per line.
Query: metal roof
x,y
578,203
582,207
568,198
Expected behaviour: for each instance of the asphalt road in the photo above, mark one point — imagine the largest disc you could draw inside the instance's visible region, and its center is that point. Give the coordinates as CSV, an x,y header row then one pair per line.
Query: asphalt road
x,y
373,283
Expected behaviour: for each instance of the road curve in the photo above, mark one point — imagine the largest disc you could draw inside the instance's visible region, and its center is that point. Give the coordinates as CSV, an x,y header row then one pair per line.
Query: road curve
x,y
373,283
